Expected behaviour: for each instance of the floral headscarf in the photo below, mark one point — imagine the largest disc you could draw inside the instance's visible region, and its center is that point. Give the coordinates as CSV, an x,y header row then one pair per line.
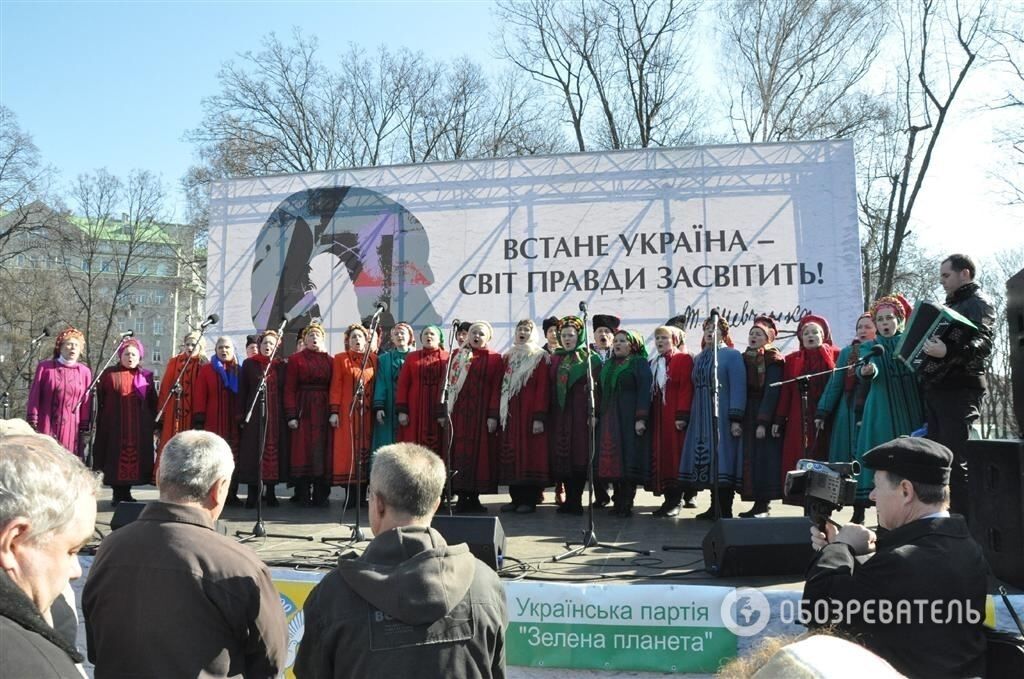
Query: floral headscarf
x,y
66,334
408,330
139,380
899,305
723,332
614,369
573,365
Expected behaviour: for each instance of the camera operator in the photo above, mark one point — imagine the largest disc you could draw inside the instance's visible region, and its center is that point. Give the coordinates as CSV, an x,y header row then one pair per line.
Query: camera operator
x,y
915,592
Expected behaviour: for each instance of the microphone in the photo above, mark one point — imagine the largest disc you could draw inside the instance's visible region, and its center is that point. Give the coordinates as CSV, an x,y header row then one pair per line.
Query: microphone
x,y
876,350
128,333
210,320
284,322
456,322
583,307
714,314
44,333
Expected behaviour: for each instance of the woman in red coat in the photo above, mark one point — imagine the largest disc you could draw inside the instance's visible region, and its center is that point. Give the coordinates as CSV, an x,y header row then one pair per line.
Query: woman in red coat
x,y
217,407
801,438
262,455
473,401
523,413
418,402
352,434
125,413
306,409
671,396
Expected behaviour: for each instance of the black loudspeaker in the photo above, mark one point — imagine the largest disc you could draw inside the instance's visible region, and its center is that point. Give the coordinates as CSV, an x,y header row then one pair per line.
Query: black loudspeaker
x,y
125,513
1015,320
770,546
483,534
995,486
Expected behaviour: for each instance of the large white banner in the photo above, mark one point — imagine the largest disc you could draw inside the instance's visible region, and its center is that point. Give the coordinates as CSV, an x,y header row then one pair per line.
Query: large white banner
x,y
645,235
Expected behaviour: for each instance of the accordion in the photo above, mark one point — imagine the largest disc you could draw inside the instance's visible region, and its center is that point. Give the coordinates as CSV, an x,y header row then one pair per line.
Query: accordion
x,y
933,320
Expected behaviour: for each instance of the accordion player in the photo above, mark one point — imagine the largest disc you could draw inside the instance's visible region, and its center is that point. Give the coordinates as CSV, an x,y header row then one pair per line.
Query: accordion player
x,y
933,320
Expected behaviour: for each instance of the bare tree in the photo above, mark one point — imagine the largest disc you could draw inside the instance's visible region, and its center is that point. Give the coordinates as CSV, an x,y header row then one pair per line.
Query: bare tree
x,y
653,50
118,227
941,42
278,110
632,56
796,66
23,183
1007,35
533,37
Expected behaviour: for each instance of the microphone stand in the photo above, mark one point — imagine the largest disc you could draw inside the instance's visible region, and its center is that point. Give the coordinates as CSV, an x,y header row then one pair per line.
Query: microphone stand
x,y
91,392
803,383
356,436
445,393
590,533
5,397
259,530
176,389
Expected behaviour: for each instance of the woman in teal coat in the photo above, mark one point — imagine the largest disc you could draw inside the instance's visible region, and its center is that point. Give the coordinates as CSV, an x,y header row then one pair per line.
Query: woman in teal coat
x,y
893,407
385,430
843,398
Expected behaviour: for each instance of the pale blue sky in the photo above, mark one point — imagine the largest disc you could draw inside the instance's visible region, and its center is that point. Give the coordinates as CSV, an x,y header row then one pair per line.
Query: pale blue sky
x,y
117,84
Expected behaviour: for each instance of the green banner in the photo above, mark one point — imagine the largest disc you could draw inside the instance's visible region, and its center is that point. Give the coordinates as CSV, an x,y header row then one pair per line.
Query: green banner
x,y
619,647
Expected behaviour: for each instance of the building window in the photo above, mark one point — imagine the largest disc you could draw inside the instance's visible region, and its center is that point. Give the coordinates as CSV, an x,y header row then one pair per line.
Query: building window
x,y
158,357
158,326
159,298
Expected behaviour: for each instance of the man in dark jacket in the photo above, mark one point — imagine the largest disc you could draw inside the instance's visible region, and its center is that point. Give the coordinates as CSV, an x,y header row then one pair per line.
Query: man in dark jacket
x,y
168,596
953,404
47,513
915,595
411,605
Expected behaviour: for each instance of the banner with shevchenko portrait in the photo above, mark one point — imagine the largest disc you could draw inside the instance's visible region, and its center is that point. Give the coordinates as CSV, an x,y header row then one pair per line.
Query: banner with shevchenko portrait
x,y
645,235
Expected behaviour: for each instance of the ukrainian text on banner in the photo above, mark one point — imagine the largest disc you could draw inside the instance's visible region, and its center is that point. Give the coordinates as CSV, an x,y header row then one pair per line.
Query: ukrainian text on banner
x,y
654,628
645,235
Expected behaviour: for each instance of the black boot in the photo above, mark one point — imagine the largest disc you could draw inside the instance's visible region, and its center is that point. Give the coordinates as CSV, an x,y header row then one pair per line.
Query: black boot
x,y
269,496
688,499
760,507
233,499
726,498
709,513
859,509
322,494
670,506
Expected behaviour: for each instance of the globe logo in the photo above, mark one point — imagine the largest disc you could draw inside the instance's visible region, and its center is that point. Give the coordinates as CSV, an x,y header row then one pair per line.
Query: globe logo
x,y
745,612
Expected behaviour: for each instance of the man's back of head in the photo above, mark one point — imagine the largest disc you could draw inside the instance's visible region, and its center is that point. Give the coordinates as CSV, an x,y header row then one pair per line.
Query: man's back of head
x,y
193,467
406,482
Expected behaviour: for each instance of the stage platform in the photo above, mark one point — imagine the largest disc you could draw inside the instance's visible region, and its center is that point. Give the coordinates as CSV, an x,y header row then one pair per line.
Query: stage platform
x,y
532,542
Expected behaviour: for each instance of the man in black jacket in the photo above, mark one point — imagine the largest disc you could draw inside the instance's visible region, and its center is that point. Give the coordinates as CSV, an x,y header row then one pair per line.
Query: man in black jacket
x,y
411,605
915,593
953,403
47,513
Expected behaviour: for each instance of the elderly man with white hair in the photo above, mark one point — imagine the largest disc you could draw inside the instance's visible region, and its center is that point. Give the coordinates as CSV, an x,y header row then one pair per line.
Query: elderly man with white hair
x,y
47,513
168,596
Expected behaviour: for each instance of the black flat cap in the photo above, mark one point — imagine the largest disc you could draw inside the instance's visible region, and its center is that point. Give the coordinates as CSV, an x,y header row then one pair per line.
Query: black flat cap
x,y
550,322
915,459
606,321
250,339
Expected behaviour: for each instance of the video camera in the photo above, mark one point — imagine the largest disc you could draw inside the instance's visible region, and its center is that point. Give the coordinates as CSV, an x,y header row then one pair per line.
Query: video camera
x,y
822,487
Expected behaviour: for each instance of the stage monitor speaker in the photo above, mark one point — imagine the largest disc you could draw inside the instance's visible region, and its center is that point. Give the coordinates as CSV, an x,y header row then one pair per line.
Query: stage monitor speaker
x,y
483,534
769,546
995,486
125,513
1015,320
